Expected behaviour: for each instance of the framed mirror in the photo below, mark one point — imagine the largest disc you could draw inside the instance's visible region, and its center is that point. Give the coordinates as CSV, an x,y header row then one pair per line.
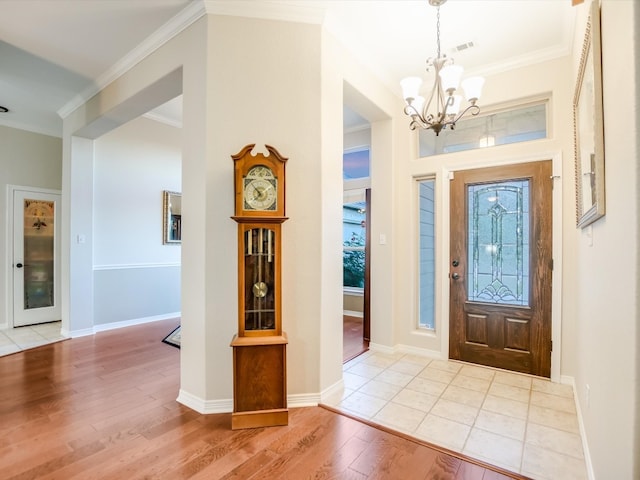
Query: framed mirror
x,y
172,217
588,127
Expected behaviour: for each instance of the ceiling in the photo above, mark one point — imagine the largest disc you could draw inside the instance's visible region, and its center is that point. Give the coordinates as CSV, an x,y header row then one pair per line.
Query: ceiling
x,y
51,51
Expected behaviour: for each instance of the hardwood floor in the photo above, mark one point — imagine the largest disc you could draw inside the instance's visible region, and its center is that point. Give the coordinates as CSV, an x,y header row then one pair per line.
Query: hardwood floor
x,y
353,344
103,407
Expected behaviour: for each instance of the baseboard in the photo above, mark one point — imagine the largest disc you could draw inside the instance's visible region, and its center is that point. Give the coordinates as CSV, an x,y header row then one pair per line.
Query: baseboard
x,y
204,406
303,400
353,313
135,321
226,405
114,325
335,389
84,332
568,380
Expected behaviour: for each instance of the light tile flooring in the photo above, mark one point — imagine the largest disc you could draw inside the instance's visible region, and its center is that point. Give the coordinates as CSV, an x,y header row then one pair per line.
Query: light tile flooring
x,y
524,424
14,340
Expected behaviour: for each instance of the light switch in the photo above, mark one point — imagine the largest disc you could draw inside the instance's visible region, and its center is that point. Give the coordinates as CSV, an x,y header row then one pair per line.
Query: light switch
x,y
81,238
383,239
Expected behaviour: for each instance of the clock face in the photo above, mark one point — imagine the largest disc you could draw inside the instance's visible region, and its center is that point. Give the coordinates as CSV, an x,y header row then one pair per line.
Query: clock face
x,y
260,189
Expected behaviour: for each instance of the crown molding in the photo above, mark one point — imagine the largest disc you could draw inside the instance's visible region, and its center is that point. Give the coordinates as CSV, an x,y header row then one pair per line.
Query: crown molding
x,y
532,58
41,129
309,11
173,27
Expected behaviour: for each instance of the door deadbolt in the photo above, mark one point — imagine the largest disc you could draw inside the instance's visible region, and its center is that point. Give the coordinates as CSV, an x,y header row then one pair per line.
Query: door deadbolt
x,y
455,276
455,263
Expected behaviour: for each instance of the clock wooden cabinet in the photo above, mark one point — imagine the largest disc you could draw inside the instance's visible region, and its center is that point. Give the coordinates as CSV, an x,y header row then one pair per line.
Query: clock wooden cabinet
x,y
259,347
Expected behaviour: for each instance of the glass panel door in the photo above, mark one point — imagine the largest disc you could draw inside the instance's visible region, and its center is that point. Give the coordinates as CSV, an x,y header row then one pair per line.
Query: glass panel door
x,y
39,259
35,258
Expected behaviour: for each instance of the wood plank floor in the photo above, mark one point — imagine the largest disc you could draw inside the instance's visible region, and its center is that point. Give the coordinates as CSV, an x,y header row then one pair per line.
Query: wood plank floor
x,y
103,407
353,344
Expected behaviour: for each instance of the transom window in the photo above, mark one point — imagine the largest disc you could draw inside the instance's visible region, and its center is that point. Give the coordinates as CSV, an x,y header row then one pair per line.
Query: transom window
x,y
519,124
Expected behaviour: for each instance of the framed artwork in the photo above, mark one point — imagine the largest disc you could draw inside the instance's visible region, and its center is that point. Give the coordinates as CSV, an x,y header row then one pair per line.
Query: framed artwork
x,y
171,218
589,126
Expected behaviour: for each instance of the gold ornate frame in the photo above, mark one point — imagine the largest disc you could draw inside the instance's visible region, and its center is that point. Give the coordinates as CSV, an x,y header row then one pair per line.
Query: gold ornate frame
x,y
589,126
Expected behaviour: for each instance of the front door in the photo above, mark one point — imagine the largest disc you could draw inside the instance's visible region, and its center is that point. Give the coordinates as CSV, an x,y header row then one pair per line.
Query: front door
x,y
500,267
36,269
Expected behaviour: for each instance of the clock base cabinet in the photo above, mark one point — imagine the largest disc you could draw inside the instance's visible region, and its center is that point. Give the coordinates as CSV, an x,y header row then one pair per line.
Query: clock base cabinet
x,y
259,382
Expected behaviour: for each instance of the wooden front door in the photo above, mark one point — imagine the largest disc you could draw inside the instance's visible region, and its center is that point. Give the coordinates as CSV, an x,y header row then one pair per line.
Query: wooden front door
x,y
500,267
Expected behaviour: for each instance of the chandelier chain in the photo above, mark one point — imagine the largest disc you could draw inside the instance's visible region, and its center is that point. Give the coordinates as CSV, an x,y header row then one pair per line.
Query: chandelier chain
x,y
438,29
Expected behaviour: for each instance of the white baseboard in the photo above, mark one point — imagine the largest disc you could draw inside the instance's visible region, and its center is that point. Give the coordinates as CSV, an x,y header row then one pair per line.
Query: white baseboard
x,y
303,400
83,332
204,406
135,321
568,380
226,405
113,325
333,390
353,313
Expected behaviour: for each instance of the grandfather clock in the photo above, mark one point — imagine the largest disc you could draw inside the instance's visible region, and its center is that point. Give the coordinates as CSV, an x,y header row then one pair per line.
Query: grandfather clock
x,y
259,347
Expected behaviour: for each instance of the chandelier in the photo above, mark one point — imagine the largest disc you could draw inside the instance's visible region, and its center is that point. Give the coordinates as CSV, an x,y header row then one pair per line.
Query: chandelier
x,y
446,105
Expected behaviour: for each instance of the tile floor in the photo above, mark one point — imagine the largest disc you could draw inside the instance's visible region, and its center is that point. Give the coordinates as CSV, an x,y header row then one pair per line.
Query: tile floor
x,y
17,339
524,424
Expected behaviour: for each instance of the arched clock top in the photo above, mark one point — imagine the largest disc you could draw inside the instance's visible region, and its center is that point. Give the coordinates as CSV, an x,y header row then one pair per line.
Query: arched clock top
x,y
259,184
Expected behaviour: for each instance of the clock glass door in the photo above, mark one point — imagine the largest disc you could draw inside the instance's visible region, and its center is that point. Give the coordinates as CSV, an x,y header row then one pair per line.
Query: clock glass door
x,y
259,279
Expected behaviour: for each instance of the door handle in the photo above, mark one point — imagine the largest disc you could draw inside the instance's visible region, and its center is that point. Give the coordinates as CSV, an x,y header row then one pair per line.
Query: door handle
x,y
19,265
455,275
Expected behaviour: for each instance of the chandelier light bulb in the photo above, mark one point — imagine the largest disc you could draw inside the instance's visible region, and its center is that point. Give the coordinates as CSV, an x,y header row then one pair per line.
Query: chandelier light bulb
x,y
450,78
473,88
410,87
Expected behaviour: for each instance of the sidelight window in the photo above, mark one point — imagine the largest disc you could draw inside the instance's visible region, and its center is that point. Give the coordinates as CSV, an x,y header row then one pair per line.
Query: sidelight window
x,y
426,189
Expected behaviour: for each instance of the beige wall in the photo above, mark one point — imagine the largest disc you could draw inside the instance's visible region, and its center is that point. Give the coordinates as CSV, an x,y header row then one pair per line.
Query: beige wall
x,y
353,303
30,160
605,353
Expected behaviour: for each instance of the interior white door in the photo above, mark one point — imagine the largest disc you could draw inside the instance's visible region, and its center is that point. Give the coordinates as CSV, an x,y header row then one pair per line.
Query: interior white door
x,y
36,257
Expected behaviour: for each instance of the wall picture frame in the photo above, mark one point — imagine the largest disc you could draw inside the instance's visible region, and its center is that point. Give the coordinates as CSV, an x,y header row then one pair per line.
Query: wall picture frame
x,y
589,126
171,218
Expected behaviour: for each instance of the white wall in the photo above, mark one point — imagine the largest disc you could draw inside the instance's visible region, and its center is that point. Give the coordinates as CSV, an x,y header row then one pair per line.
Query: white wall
x,y
135,275
30,160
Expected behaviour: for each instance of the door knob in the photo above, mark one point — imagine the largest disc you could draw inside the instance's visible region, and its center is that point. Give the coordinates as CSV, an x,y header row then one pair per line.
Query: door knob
x,y
455,275
455,263
19,265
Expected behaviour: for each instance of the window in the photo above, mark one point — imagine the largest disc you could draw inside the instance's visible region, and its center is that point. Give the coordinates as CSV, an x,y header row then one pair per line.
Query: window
x,y
519,124
353,240
426,191
355,164
498,243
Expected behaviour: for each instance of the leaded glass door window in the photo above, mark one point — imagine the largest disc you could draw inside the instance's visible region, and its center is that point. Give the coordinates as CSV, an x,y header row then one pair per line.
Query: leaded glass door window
x,y
36,270
499,242
500,267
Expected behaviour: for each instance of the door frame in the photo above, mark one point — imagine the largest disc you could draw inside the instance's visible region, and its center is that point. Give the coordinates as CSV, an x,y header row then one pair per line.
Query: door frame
x,y
11,189
447,174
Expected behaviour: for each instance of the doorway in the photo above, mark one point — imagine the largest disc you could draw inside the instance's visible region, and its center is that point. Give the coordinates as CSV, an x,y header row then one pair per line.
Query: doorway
x,y
501,267
357,278
35,256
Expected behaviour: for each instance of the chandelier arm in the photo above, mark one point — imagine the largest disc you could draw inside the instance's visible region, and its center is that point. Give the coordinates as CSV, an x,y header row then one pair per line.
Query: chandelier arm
x,y
473,109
